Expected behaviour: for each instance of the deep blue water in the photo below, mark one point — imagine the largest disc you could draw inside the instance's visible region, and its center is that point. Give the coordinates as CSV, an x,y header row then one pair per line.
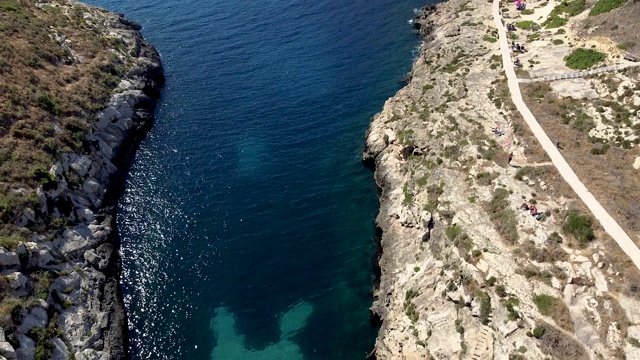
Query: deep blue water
x,y
248,199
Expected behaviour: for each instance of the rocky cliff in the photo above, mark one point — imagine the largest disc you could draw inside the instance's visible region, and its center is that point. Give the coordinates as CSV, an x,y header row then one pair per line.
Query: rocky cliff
x,y
481,257
61,296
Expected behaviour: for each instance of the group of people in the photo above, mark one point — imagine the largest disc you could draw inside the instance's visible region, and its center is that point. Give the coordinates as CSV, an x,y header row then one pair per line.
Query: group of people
x,y
496,130
518,47
532,210
520,5
511,27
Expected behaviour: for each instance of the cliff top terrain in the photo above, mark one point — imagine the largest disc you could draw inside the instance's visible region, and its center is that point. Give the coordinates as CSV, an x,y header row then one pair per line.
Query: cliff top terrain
x,y
57,71
77,90
489,250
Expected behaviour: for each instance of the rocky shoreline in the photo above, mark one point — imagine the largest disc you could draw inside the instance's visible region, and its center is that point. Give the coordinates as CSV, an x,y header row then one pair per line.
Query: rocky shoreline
x,y
81,315
462,271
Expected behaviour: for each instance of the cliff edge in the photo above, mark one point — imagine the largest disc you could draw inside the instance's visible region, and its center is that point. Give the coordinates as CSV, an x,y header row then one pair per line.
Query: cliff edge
x,y
78,92
486,253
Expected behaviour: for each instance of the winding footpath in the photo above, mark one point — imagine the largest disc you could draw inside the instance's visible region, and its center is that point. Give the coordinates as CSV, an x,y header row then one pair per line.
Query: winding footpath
x,y
608,223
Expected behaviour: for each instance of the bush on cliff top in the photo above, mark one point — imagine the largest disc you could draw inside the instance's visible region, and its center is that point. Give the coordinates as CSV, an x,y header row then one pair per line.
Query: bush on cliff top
x,y
581,59
579,226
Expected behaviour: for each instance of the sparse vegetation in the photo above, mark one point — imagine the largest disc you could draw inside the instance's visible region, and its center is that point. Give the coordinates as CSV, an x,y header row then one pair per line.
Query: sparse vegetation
x,y
503,217
490,39
634,342
485,307
485,178
408,197
409,307
562,12
510,305
452,232
47,98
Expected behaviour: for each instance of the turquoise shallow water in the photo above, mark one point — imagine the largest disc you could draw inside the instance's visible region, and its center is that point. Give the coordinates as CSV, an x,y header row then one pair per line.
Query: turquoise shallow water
x,y
247,220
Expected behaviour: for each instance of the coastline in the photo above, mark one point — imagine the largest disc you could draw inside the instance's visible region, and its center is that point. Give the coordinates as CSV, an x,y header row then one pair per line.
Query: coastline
x,y
118,132
462,272
79,311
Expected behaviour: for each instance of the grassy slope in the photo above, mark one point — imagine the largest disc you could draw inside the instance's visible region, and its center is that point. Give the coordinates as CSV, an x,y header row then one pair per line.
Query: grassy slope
x,y
47,99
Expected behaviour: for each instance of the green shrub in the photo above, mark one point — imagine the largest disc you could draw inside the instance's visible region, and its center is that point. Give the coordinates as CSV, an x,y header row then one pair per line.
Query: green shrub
x,y
510,304
452,232
581,59
485,177
408,197
604,6
491,281
600,150
10,241
558,42
538,331
533,37
579,226
47,180
409,308
545,303
490,39
555,22
9,8
554,238
46,103
525,25
527,12
485,307
476,253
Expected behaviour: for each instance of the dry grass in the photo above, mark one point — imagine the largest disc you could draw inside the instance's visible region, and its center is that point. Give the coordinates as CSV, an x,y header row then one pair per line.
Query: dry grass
x,y
560,345
556,309
47,99
616,186
620,25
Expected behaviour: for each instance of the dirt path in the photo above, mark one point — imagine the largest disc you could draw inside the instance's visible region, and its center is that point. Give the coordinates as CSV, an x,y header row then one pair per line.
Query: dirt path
x,y
607,222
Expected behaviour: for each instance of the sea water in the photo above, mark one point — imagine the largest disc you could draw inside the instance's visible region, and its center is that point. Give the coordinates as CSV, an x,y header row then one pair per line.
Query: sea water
x,y
247,221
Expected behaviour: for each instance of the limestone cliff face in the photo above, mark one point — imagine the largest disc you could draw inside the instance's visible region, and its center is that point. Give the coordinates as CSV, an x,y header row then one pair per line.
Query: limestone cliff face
x,y
464,273
80,313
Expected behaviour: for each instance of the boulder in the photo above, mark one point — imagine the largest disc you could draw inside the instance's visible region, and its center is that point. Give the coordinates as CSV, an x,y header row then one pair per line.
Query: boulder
x,y
27,349
100,257
37,317
60,350
9,260
18,283
90,354
6,350
41,258
508,328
